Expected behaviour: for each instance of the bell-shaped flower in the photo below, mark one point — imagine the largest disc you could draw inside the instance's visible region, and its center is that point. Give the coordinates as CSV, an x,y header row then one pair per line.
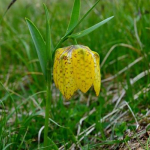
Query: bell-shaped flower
x,y
76,67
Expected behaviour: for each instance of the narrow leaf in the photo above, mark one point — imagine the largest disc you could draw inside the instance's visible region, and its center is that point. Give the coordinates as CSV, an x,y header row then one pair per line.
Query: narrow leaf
x,y
89,30
39,45
69,31
74,16
87,12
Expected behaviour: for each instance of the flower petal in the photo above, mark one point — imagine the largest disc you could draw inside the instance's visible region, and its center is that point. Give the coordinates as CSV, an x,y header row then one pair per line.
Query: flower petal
x,y
83,66
97,76
61,73
56,62
66,81
69,82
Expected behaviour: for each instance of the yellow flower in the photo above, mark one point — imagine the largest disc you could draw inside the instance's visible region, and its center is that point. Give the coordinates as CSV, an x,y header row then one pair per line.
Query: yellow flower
x,y
76,67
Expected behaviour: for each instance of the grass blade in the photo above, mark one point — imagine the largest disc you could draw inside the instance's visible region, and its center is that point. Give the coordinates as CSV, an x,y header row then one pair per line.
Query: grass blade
x,y
39,45
48,34
52,144
9,6
11,3
74,16
89,30
7,146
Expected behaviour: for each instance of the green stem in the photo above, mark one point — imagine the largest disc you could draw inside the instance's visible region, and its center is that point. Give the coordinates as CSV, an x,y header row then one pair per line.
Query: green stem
x,y
47,110
64,38
60,42
75,41
48,77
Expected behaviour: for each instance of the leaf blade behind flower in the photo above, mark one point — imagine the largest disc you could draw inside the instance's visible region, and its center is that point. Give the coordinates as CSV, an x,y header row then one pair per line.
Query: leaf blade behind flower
x,y
89,30
87,13
74,16
39,45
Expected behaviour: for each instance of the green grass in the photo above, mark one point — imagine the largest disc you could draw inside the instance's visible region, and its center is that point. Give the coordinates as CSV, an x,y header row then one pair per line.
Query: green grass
x,y
23,93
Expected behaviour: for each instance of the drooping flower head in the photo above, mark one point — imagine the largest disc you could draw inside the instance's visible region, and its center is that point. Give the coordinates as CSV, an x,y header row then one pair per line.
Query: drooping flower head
x,y
76,67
